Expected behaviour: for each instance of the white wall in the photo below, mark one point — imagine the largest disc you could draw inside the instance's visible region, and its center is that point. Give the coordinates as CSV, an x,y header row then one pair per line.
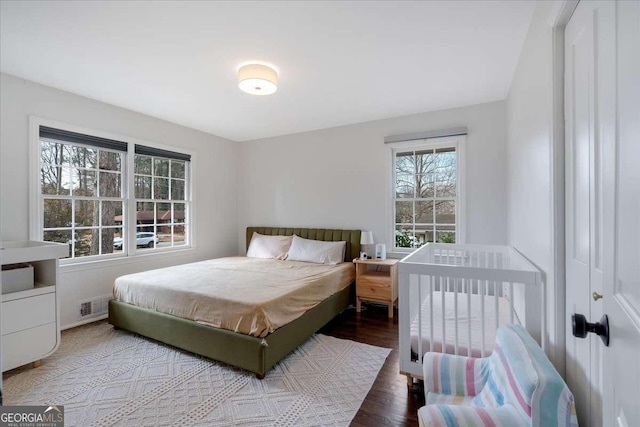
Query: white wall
x,y
530,160
215,183
337,177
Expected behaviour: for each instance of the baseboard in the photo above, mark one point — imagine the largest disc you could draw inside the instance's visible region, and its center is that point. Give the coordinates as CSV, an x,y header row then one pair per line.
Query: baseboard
x,y
84,322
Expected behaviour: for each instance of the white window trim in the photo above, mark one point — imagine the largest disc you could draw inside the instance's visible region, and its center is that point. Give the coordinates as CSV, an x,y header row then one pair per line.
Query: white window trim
x,y
36,211
460,144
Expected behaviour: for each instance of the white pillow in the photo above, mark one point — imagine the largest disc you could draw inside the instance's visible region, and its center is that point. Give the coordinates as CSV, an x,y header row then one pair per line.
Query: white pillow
x,y
316,251
275,247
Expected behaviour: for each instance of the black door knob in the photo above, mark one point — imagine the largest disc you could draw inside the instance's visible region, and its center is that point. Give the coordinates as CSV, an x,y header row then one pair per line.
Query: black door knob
x,y
581,327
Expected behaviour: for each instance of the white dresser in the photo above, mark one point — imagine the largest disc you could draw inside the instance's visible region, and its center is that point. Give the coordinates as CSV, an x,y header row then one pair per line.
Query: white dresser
x,y
30,324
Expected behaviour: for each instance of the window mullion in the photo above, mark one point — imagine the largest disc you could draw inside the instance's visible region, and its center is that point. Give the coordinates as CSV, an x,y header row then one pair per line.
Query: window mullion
x,y
169,179
73,226
415,195
129,228
100,225
56,197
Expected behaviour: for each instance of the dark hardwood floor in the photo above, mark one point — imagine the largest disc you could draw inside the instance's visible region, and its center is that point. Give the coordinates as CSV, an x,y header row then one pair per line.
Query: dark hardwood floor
x,y
389,402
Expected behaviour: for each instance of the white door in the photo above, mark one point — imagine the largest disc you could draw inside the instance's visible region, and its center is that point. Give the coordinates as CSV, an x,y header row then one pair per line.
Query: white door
x,y
602,74
621,175
584,220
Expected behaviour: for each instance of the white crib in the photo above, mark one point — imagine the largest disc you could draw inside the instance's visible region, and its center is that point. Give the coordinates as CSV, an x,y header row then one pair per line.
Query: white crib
x,y
452,298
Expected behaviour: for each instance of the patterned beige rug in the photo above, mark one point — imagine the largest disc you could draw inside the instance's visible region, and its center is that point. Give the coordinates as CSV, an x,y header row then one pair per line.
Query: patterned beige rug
x,y
105,377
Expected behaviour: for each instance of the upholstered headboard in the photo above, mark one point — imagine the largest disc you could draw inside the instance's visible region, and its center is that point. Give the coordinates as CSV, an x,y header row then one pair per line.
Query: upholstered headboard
x,y
352,237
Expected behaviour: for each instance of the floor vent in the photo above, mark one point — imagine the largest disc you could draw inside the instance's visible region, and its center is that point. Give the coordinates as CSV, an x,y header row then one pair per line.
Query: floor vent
x,y
85,309
95,307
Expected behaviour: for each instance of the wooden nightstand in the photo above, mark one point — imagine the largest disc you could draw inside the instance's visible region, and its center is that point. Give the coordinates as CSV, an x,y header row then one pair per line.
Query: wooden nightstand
x,y
378,286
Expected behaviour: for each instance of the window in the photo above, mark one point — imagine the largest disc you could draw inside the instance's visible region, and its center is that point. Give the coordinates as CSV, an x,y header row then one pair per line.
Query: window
x,y
426,193
84,188
161,200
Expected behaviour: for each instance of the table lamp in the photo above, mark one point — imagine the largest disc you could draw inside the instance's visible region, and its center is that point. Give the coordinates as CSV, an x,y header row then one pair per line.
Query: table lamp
x,y
366,240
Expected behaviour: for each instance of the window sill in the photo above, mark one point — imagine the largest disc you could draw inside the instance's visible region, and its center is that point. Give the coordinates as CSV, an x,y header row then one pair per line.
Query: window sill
x,y
398,255
104,263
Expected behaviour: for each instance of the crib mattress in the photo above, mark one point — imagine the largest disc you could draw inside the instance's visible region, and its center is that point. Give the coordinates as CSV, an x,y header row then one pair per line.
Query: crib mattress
x,y
470,318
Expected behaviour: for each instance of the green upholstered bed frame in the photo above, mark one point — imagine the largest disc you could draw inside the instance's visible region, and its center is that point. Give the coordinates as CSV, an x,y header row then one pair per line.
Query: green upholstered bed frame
x,y
254,354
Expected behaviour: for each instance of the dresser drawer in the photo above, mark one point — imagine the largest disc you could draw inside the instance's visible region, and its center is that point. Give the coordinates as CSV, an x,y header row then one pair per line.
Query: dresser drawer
x,y
26,313
375,286
26,346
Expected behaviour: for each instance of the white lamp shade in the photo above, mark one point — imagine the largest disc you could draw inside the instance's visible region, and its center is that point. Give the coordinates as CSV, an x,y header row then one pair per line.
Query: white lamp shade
x,y
257,79
366,238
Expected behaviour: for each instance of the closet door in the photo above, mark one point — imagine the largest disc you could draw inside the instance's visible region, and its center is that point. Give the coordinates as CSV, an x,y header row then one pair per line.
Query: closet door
x,y
602,113
588,40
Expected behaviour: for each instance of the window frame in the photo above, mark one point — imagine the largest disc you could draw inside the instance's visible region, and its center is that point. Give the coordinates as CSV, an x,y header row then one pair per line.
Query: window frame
x,y
129,252
74,228
457,142
185,224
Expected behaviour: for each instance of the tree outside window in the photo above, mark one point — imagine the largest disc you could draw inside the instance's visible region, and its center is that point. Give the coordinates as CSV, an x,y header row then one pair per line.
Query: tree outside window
x,y
81,191
83,195
425,196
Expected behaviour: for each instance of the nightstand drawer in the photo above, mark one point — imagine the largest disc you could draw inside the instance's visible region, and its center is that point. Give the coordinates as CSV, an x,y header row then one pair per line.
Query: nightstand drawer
x,y
374,286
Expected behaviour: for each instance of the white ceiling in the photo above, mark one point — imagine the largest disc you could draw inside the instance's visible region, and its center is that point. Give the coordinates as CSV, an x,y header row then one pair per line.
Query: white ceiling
x,y
338,62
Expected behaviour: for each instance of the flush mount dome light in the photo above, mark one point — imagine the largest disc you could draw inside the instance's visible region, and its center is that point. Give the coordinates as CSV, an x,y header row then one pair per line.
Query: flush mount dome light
x,y
257,79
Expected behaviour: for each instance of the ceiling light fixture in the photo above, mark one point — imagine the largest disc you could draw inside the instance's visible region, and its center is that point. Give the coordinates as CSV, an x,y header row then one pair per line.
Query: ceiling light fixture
x,y
257,79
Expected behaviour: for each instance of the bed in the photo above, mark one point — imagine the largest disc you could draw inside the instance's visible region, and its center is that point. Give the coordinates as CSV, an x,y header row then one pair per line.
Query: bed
x,y
249,341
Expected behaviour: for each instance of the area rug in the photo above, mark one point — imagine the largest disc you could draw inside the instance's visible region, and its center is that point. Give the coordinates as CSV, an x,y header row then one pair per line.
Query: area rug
x,y
105,377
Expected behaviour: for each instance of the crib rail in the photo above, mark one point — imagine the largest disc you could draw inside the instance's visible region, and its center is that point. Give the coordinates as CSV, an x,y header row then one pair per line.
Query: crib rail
x,y
452,298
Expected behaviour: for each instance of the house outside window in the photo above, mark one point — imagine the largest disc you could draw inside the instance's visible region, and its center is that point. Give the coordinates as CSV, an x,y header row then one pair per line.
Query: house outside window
x,y
427,188
85,192
161,195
